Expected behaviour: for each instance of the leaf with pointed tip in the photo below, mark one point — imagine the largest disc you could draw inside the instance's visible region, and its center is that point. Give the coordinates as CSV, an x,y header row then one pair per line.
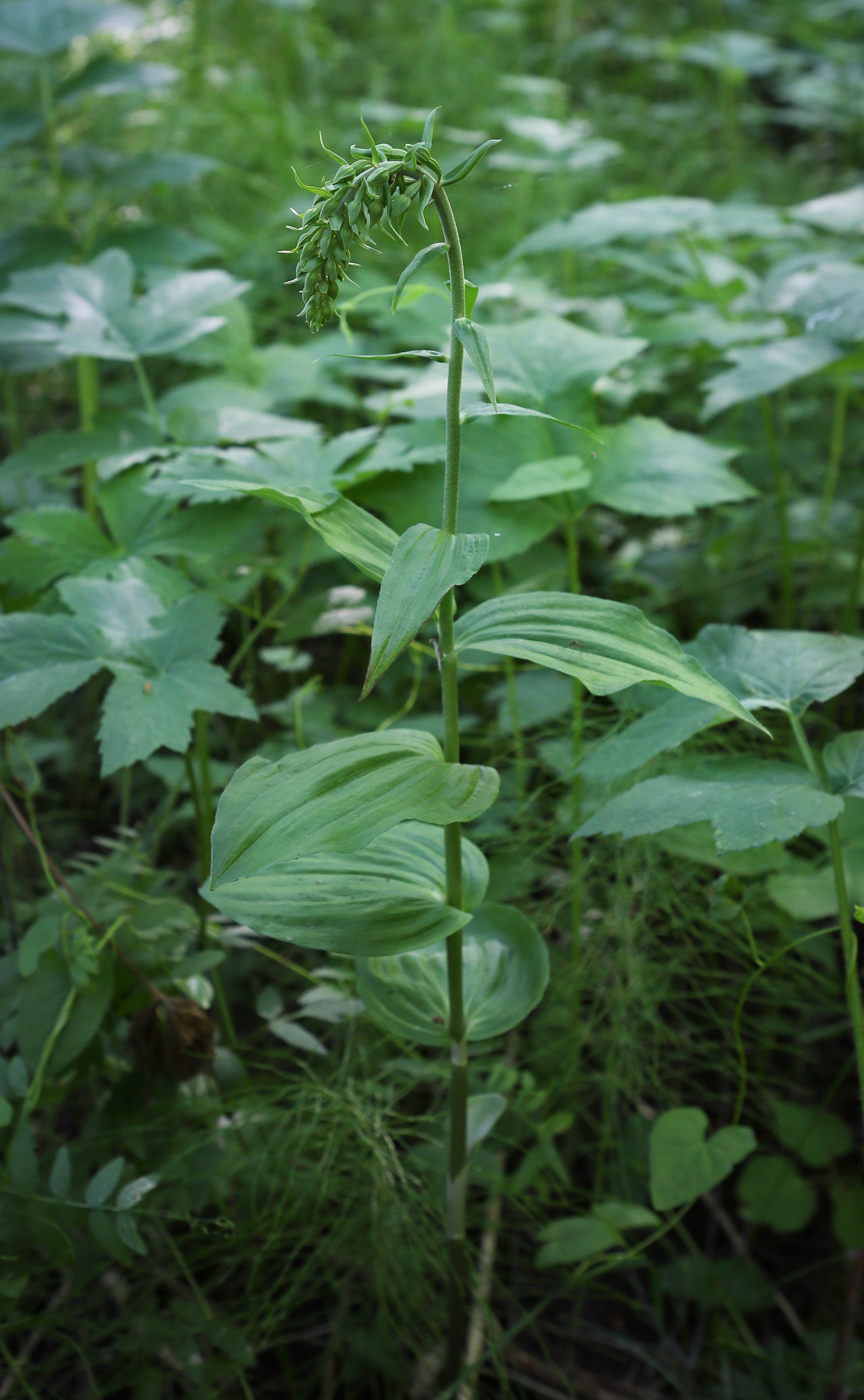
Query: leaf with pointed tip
x,y
425,565
429,126
387,898
748,804
763,369
104,1183
338,797
606,645
779,670
505,972
473,338
515,410
553,476
419,260
464,167
645,467
544,356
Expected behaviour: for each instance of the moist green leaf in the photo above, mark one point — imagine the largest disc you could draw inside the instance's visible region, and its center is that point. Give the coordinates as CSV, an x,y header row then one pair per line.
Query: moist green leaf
x,y
748,804
389,897
684,1163
339,797
426,563
606,645
506,968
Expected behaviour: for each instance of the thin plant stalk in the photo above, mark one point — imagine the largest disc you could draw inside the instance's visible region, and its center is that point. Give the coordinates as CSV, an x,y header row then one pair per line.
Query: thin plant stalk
x,y
46,97
88,406
513,710
457,1163
835,451
575,583
147,395
849,938
787,594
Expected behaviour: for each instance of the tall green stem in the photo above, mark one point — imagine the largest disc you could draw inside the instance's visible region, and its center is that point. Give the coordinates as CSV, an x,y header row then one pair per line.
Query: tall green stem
x,y
850,612
457,1164
576,753
847,932
780,496
46,96
835,451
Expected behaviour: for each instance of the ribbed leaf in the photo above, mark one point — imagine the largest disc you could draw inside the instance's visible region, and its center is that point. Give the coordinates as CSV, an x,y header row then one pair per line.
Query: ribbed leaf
x,y
506,968
339,797
419,260
606,645
426,563
387,898
473,337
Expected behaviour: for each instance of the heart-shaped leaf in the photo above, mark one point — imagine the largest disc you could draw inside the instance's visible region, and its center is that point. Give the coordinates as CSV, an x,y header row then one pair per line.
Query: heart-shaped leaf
x,y
425,564
684,1163
505,971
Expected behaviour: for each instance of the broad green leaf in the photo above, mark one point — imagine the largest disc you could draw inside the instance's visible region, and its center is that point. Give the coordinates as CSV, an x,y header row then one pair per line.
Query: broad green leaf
x,y
624,1215
505,971
28,343
644,467
464,167
684,1163
715,1283
419,260
545,355
772,1192
632,221
41,658
104,1183
473,338
39,28
346,527
484,1110
41,1002
553,476
748,803
109,77
149,709
339,797
606,645
836,213
660,730
844,763
816,1136
426,563
776,669
48,543
387,898
18,124
763,369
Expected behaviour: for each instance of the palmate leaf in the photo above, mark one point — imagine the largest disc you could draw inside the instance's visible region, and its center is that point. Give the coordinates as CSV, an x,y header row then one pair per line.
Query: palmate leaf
x,y
425,564
748,804
505,972
777,669
338,797
844,763
763,369
386,898
606,645
644,467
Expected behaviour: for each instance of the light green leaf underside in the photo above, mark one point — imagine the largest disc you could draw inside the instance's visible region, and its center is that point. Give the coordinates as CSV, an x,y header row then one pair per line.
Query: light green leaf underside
x,y
347,528
684,1163
779,669
339,797
387,898
551,477
763,369
662,729
748,804
425,564
473,338
606,645
506,968
644,467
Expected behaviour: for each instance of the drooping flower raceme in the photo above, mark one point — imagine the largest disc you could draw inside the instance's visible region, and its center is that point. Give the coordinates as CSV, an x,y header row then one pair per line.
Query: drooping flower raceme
x,y
377,187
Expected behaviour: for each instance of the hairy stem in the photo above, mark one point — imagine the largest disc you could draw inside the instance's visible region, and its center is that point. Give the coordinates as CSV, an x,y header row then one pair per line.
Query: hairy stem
x,y
848,935
457,1165
787,586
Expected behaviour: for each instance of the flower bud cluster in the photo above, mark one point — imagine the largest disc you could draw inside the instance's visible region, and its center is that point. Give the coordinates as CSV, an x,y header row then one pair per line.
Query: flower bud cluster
x,y
377,187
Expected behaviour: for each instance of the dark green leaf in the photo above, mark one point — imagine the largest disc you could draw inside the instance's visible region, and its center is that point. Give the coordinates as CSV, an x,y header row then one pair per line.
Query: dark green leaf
x,y
646,468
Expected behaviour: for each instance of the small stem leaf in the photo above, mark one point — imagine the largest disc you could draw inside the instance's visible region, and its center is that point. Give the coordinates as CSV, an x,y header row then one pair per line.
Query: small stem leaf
x,y
103,1184
458,172
473,337
515,410
419,260
376,158
429,126
471,292
426,564
484,1110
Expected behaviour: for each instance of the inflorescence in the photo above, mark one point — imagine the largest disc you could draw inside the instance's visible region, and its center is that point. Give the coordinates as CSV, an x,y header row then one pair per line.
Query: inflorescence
x,y
376,188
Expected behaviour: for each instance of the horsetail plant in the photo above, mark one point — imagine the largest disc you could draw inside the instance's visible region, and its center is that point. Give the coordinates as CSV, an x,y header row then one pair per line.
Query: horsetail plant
x,y
340,846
